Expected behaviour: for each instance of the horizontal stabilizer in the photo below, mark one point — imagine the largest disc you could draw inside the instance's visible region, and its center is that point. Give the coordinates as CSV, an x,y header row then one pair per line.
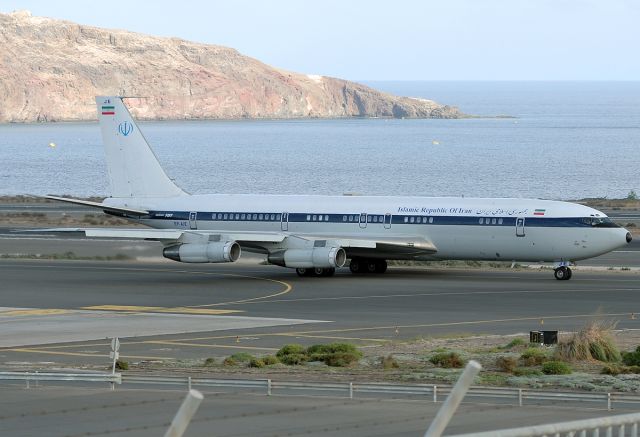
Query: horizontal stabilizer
x,y
102,206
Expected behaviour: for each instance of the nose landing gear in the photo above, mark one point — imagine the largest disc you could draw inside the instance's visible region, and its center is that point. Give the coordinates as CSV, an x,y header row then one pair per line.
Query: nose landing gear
x,y
562,273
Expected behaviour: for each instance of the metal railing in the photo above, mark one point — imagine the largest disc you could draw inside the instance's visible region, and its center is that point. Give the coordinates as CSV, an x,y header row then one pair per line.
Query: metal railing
x,y
623,425
28,377
434,392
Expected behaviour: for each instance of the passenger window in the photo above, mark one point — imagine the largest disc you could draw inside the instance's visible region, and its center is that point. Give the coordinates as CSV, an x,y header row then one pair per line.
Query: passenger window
x,y
278,216
273,217
430,219
406,219
493,221
261,217
487,221
499,221
369,218
375,219
243,216
308,217
380,218
344,218
219,216
326,218
237,216
225,216
320,218
255,216
481,221
350,218
412,219
315,217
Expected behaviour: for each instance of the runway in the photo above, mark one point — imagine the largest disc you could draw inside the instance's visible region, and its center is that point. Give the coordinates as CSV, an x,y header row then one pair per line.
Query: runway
x,y
200,305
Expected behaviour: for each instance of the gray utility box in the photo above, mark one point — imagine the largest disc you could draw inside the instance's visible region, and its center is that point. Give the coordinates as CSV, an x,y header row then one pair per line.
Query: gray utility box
x,y
543,337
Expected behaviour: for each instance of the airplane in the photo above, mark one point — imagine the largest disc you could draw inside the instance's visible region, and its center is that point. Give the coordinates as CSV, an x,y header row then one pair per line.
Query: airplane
x,y
317,234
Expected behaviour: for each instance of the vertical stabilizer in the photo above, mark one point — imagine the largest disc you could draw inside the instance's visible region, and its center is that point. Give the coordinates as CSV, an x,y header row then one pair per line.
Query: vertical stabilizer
x,y
134,170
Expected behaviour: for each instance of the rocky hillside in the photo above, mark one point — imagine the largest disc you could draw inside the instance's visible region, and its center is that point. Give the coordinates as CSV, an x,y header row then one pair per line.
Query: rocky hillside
x,y
50,70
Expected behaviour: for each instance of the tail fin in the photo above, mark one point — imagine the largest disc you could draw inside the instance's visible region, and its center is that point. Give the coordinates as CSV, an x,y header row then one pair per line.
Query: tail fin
x,y
134,170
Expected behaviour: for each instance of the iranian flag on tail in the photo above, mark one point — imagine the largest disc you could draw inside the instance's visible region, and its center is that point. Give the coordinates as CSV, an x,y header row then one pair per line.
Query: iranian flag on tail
x,y
539,212
108,110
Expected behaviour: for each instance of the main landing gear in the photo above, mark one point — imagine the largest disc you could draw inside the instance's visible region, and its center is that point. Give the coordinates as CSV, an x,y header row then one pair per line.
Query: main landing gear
x,y
318,271
367,265
562,273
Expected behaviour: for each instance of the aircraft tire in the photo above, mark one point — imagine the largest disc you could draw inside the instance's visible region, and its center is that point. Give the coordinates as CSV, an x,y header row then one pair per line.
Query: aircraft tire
x,y
356,266
372,266
304,272
318,271
561,273
569,274
381,266
328,272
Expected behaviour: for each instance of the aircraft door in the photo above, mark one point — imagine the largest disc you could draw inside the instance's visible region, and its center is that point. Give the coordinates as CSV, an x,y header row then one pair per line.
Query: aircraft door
x,y
387,221
193,220
363,220
520,227
284,223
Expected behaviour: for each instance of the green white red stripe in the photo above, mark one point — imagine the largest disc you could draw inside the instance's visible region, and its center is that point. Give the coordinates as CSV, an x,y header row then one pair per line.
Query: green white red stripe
x,y
108,110
539,212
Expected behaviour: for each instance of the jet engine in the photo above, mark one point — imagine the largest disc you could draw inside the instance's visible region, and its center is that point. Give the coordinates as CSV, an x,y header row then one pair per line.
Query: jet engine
x,y
212,252
320,257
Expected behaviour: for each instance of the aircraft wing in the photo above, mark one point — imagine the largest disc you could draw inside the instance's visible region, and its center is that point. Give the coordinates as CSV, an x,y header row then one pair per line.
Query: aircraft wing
x,y
377,246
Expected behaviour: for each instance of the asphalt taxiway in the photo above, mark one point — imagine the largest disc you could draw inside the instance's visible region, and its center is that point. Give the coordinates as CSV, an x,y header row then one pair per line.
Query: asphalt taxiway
x,y
172,311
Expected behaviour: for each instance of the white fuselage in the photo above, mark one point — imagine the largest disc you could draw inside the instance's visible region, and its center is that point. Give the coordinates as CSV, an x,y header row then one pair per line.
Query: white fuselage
x,y
460,228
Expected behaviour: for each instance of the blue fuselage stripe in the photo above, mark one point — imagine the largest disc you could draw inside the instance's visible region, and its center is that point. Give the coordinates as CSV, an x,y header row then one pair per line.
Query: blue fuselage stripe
x,y
371,219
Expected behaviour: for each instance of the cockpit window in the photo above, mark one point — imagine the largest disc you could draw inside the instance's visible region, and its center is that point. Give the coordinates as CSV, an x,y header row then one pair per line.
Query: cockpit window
x,y
599,222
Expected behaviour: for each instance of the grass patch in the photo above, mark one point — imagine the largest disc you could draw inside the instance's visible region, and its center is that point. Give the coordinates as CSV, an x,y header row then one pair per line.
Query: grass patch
x,y
209,362
526,371
592,342
447,360
556,368
632,358
256,362
513,343
242,357
332,354
534,356
270,360
122,365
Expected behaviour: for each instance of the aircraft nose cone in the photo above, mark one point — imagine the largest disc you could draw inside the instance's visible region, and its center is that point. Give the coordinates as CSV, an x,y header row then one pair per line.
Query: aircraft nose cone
x,y
629,237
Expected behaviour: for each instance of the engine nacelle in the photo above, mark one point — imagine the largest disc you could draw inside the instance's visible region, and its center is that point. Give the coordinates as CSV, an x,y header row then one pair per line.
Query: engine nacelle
x,y
213,252
321,257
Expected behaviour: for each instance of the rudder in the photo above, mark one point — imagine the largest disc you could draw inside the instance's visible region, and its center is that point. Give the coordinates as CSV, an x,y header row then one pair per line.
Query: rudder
x,y
134,170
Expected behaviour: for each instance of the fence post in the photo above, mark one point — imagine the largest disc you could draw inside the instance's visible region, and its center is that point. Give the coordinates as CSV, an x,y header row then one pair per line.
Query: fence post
x,y
449,407
27,379
189,383
185,413
435,394
519,397
351,390
608,401
268,387
37,385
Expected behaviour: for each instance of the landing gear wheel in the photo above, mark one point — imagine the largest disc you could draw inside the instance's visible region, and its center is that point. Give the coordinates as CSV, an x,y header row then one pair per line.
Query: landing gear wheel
x,y
356,265
381,266
569,273
304,272
562,273
318,271
372,266
328,272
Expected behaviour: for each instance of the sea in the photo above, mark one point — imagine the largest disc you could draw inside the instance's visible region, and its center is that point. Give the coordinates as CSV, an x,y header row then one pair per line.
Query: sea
x,y
553,140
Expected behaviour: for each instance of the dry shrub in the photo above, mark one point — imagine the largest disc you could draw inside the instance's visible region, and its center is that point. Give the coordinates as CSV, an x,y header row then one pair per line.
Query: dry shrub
x,y
593,342
534,356
389,362
507,364
448,360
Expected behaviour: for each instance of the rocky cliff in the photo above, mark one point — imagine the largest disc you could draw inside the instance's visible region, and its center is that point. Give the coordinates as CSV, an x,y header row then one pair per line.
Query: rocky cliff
x,y
50,70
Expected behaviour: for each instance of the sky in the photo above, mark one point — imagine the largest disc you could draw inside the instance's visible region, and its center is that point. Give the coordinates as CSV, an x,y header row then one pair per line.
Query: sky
x,y
392,40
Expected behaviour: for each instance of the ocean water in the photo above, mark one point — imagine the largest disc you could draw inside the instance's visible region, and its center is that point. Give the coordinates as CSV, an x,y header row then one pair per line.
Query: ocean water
x,y
569,140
